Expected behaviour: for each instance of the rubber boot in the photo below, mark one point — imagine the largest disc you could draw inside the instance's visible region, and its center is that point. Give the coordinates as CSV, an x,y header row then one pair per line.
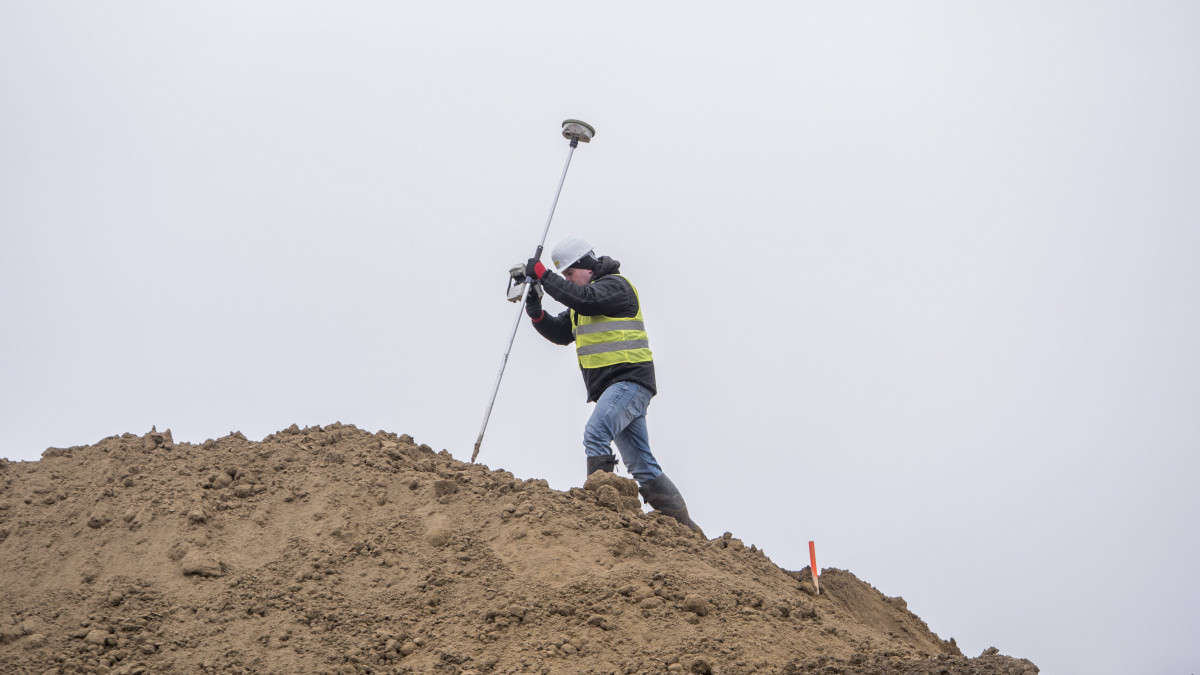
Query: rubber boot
x,y
601,463
662,494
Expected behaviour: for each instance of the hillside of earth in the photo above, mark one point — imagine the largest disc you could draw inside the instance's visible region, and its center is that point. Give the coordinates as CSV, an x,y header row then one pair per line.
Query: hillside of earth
x,y
334,550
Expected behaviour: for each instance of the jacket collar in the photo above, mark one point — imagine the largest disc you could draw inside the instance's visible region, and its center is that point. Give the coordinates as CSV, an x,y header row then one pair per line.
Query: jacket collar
x,y
607,266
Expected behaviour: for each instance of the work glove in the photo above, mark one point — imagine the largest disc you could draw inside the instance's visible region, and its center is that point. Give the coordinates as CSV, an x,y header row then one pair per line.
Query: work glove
x,y
535,269
533,301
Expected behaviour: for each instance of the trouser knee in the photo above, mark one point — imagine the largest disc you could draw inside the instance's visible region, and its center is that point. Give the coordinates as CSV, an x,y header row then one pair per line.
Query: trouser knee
x,y
596,441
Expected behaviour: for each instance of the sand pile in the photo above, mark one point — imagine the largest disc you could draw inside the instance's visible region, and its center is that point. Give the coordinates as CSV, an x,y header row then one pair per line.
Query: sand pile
x,y
333,550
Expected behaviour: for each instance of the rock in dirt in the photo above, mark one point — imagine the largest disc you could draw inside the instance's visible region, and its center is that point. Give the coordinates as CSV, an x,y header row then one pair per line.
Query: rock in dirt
x,y
696,604
98,519
653,602
441,537
10,634
625,487
443,488
201,563
34,625
35,641
613,491
99,637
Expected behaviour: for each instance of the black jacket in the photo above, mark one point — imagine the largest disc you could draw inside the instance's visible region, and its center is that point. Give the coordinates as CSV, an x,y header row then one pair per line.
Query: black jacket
x,y
607,295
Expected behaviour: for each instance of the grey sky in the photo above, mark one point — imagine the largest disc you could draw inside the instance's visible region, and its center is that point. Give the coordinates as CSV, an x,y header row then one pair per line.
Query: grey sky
x,y
921,278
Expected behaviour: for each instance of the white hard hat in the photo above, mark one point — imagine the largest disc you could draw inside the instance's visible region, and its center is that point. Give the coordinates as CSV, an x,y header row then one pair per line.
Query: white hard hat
x,y
569,251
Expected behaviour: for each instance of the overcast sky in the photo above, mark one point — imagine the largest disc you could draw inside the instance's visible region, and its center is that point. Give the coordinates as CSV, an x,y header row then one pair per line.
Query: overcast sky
x,y
921,279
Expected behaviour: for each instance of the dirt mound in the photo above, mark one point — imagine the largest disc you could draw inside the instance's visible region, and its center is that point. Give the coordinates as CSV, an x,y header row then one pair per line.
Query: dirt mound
x,y
333,550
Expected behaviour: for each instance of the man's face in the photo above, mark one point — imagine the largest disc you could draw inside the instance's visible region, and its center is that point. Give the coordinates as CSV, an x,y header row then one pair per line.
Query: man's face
x,y
578,276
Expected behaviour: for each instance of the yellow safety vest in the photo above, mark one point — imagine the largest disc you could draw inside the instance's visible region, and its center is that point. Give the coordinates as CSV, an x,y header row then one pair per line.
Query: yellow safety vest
x,y
604,341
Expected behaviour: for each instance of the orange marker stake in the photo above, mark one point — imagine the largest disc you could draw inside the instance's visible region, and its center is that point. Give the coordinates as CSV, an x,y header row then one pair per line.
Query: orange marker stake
x,y
812,561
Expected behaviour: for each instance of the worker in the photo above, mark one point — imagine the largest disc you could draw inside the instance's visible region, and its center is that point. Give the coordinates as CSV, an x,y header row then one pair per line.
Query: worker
x,y
604,320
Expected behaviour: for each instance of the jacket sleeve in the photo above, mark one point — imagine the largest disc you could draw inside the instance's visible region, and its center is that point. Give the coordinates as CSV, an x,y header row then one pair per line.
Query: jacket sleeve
x,y
607,296
556,329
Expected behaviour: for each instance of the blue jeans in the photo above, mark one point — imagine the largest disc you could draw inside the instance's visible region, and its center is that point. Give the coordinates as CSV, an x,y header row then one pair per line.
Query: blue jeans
x,y
620,416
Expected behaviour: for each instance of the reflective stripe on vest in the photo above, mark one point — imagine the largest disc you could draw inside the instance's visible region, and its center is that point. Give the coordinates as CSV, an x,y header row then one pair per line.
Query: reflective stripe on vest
x,y
604,341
